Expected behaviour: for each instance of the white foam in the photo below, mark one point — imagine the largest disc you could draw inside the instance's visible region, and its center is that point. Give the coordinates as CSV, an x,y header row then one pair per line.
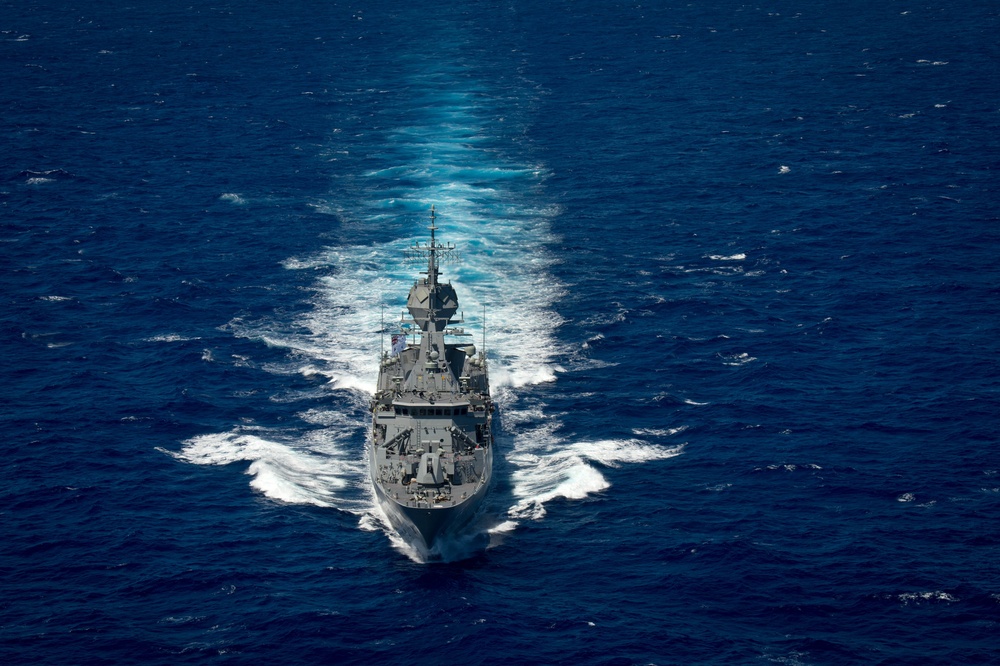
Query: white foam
x,y
502,265
937,595
738,359
547,467
616,452
504,527
314,470
658,432
448,548
169,337
787,467
233,198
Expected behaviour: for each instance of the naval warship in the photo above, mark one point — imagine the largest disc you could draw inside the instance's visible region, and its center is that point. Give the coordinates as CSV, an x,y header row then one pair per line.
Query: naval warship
x,y
431,454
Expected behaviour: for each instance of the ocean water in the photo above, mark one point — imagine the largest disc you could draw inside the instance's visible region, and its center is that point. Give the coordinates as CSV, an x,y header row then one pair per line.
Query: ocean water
x,y
738,264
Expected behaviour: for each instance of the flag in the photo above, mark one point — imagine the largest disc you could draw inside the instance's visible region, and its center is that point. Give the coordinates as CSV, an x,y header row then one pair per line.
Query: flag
x,y
398,343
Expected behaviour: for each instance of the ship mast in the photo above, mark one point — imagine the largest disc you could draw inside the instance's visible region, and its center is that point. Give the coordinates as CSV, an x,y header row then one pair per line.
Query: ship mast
x,y
432,270
432,303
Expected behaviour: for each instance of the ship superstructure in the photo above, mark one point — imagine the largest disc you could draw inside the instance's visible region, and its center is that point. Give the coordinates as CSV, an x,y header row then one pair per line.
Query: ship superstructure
x,y
431,455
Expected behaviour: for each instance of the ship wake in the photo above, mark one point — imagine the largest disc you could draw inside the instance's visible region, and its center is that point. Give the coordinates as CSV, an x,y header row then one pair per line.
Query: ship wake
x,y
548,465
443,150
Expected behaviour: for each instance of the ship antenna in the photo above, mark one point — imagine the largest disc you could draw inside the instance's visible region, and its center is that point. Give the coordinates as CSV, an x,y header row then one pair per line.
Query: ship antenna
x,y
432,263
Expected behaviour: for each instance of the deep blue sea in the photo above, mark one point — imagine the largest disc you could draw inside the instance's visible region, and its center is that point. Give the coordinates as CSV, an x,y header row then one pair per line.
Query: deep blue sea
x,y
740,268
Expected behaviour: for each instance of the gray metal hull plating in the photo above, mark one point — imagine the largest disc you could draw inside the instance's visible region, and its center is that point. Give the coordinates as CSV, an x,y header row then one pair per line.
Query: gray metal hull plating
x,y
431,524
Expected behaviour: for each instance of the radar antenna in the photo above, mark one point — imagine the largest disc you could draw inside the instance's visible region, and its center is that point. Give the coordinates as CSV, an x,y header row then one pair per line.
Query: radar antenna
x,y
434,252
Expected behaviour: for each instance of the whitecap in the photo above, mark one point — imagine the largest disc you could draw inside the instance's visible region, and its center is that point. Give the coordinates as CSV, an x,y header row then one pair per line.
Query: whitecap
x,y
937,595
169,337
738,359
233,198
504,527
658,432
786,467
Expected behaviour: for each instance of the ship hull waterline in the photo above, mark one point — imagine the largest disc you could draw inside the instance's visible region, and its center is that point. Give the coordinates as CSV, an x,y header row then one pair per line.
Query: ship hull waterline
x,y
425,526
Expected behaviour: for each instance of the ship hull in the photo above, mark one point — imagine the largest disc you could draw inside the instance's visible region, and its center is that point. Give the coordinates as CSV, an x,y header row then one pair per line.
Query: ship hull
x,y
427,526
431,440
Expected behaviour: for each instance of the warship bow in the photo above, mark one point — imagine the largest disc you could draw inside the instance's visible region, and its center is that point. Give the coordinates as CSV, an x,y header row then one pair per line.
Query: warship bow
x,y
431,454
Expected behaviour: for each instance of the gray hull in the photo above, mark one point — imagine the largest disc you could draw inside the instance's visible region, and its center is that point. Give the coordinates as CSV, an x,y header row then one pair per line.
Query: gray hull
x,y
431,453
428,525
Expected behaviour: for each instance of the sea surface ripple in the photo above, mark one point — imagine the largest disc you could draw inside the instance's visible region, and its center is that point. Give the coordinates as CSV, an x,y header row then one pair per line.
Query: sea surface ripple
x,y
738,267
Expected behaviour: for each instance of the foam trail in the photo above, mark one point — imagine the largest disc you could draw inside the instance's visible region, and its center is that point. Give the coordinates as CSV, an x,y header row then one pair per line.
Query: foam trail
x,y
312,469
440,153
440,156
548,467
